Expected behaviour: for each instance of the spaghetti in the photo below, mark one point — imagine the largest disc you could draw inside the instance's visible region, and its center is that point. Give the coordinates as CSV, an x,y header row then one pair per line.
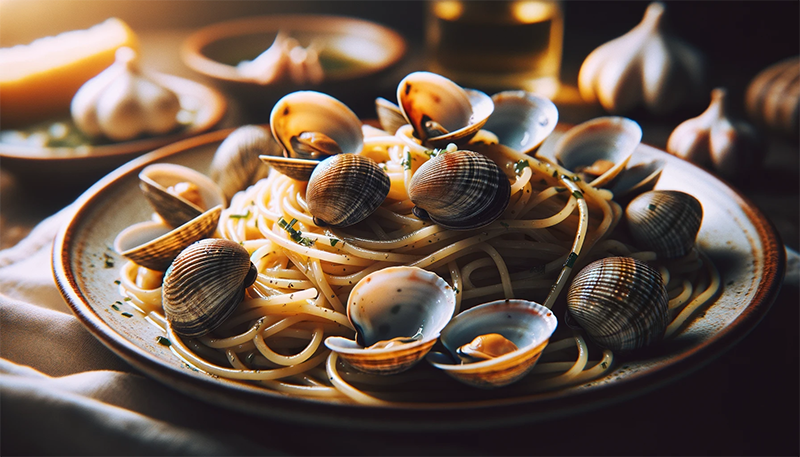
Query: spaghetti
x,y
554,222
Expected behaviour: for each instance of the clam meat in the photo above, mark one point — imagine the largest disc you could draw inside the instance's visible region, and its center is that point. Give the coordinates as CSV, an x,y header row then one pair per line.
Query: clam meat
x,y
177,193
495,344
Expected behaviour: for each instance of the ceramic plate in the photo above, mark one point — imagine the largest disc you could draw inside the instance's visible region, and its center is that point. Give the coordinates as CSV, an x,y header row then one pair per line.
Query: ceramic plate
x,y
737,237
70,164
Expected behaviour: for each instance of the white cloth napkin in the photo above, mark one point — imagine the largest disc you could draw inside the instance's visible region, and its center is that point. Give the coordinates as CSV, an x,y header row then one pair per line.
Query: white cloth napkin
x,y
63,393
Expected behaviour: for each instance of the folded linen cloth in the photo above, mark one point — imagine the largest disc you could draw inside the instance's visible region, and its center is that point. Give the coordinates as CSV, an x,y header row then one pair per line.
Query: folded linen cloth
x,y
64,393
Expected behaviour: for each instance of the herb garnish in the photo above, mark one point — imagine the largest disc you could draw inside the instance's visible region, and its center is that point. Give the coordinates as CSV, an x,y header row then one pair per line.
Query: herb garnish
x,y
295,235
163,341
240,216
521,165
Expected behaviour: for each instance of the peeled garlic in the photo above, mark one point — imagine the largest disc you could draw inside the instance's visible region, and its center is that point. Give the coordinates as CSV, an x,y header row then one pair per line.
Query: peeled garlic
x,y
121,102
644,66
285,60
713,140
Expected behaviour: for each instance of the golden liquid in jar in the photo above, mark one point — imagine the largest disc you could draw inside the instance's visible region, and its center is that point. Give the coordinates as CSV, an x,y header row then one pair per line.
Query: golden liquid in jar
x,y
496,44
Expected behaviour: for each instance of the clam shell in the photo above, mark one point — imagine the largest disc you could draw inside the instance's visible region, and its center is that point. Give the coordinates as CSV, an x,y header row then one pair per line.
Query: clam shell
x,y
637,178
236,163
346,188
389,115
460,190
664,221
425,96
390,303
298,169
204,284
608,138
155,179
154,245
310,111
522,120
527,324
621,302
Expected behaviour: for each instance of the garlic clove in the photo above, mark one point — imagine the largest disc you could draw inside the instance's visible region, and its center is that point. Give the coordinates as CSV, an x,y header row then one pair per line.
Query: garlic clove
x,y
643,67
773,97
713,140
122,103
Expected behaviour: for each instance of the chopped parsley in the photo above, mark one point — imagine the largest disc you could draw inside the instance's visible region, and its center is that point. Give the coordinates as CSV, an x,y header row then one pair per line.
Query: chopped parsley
x,y
577,194
163,341
108,260
521,165
406,160
127,314
295,235
334,241
571,260
240,216
651,207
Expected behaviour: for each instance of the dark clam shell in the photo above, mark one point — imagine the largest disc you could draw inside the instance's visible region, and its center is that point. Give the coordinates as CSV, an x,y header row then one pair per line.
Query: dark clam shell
x,y
346,188
664,221
205,284
460,190
621,302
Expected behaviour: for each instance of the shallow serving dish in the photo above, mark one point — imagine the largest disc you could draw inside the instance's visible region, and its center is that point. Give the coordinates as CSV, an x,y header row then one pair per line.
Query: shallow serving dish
x,y
87,164
355,54
735,235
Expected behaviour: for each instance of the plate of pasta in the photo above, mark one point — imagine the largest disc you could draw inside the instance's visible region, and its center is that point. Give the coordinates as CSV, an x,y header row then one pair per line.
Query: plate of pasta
x,y
278,333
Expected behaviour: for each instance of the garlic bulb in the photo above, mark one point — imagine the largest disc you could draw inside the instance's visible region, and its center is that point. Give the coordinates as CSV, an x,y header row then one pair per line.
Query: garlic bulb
x,y
122,103
773,97
643,67
285,60
713,140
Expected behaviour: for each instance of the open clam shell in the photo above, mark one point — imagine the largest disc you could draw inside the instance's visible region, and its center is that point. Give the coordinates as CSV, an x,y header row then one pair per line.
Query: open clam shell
x,y
154,245
621,302
602,141
527,324
637,178
405,303
236,163
204,285
522,120
441,111
389,115
158,181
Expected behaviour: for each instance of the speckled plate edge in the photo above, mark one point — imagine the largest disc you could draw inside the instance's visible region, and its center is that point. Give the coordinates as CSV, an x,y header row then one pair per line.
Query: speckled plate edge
x,y
462,415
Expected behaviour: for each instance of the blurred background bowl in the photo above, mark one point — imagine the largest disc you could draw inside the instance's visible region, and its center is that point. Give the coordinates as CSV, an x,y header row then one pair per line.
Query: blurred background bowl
x,y
357,57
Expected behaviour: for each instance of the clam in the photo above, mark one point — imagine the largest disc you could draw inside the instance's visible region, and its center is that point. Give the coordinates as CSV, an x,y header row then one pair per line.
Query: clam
x,y
311,126
621,302
389,115
204,284
236,165
598,149
441,111
398,313
346,188
522,120
154,245
520,329
177,193
664,221
460,190
637,178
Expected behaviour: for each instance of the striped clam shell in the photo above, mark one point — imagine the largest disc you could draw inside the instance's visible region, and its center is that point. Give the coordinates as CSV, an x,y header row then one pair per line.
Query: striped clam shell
x,y
406,303
621,302
156,179
460,190
154,245
664,221
346,188
236,163
204,284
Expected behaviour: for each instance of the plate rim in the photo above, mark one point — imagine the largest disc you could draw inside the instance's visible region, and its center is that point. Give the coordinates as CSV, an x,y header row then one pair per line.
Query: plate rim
x,y
495,412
